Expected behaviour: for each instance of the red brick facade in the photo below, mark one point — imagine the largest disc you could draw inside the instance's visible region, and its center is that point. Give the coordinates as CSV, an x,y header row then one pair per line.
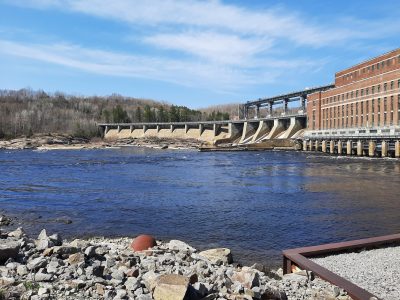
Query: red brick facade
x,y
365,95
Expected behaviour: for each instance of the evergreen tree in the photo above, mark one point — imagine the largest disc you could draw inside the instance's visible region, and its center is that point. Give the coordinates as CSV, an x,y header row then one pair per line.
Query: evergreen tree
x,y
138,114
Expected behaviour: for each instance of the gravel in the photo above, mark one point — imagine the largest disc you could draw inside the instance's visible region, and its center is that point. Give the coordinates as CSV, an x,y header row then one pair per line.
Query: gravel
x,y
377,271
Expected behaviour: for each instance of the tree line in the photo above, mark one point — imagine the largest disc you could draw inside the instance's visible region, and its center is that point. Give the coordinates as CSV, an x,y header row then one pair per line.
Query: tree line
x,y
26,112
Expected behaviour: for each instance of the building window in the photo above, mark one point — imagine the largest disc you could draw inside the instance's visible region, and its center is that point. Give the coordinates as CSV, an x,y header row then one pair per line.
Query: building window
x,y
362,92
373,90
398,84
373,68
379,88
398,109
352,94
373,106
362,108
384,119
377,66
392,85
366,107
379,105
385,104
385,86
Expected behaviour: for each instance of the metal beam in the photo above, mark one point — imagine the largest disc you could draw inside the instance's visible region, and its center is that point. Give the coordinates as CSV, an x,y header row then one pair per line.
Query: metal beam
x,y
297,94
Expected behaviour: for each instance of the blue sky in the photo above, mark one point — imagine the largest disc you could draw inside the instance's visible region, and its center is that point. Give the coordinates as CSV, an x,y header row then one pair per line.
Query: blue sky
x,y
193,53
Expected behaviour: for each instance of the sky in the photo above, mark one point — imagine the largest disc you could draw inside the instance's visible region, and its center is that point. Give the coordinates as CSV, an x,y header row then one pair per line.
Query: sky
x,y
187,52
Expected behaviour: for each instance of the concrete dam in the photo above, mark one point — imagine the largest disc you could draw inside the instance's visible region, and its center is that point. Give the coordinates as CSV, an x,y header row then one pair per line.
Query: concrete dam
x,y
279,129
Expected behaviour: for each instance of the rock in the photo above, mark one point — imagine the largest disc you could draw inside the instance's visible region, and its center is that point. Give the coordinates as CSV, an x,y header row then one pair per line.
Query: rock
x,y
218,255
273,294
42,291
4,221
56,239
42,235
247,277
22,270
77,284
78,243
132,283
201,289
118,274
121,294
134,272
43,277
36,263
76,259
6,281
65,250
90,251
17,233
171,287
99,289
150,280
143,242
43,241
179,245
48,251
8,249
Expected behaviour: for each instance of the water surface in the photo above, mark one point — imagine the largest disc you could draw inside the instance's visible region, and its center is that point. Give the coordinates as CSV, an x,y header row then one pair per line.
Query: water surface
x,y
256,203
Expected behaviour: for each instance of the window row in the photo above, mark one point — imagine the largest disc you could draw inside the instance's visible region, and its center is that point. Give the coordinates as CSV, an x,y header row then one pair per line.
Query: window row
x,y
377,66
362,92
377,112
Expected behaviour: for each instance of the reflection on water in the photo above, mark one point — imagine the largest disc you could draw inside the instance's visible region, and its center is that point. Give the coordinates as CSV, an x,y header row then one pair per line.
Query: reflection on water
x,y
256,203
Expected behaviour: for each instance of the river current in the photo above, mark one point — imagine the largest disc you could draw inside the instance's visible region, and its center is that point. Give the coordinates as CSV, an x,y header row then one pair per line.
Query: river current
x,y
255,203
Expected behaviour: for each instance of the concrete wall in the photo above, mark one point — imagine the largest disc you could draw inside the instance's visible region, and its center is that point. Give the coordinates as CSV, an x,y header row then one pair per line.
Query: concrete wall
x,y
206,134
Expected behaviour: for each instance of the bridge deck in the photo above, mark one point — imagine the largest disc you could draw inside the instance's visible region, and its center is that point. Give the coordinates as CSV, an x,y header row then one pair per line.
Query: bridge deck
x,y
280,98
286,116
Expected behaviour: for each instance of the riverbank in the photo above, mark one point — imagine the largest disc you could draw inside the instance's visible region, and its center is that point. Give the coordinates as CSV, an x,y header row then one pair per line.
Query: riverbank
x,y
66,142
49,267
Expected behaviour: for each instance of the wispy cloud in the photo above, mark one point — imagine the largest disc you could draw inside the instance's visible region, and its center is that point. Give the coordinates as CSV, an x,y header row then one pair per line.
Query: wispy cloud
x,y
220,46
183,72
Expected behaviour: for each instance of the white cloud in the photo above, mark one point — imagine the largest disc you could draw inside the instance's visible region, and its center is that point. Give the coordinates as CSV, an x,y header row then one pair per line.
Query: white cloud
x,y
183,72
207,15
224,46
219,48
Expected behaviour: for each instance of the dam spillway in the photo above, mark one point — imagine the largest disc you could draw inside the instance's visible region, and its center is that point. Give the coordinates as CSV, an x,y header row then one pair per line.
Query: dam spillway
x,y
236,132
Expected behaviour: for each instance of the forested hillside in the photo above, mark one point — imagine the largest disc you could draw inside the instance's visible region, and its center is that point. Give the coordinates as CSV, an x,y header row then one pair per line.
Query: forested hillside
x,y
26,112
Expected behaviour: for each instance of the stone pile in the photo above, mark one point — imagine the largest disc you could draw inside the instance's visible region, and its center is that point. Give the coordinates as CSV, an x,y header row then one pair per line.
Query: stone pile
x,y
51,268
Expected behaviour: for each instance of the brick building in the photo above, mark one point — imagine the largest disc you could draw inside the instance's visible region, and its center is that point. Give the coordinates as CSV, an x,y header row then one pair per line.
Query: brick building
x,y
365,95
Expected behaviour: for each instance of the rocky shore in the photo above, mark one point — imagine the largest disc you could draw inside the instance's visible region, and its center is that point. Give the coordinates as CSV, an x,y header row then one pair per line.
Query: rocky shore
x,y
49,267
67,142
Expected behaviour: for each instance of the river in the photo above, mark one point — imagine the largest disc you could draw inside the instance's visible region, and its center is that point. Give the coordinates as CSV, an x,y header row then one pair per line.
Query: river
x,y
256,203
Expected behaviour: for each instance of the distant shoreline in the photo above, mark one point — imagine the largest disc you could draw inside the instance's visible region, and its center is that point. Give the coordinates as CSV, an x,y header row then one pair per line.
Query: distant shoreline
x,y
67,142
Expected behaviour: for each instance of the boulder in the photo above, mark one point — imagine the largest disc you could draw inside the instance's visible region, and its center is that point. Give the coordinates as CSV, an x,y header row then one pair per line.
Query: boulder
x,y
180,246
17,233
247,277
143,242
9,248
171,287
36,263
77,258
132,283
150,280
218,255
4,221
